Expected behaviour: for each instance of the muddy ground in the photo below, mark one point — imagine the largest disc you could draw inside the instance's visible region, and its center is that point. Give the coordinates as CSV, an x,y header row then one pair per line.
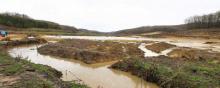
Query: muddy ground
x,y
8,42
90,51
158,47
193,54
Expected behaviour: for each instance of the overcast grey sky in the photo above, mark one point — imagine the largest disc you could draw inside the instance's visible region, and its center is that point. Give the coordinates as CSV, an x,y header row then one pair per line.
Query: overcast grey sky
x,y
111,15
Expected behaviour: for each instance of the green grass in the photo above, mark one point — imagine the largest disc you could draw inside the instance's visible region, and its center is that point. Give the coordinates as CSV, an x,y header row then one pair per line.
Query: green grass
x,y
138,64
171,74
4,58
34,82
12,69
75,85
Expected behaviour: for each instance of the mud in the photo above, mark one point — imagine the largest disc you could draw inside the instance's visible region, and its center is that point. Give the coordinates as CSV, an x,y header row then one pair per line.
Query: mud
x,y
90,51
25,41
159,47
193,54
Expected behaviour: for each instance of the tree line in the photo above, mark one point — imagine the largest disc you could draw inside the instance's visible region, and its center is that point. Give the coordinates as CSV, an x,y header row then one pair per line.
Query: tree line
x,y
24,21
205,21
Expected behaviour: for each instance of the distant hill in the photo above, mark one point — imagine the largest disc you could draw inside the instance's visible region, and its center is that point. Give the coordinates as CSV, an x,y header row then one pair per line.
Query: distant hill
x,y
21,23
24,21
204,23
148,29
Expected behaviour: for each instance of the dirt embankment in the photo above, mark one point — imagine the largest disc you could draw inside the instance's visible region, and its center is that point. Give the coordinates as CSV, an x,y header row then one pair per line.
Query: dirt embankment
x,y
90,51
26,41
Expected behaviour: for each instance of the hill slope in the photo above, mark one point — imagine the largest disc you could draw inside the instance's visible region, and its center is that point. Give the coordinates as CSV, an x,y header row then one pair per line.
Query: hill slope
x,y
149,29
207,26
20,23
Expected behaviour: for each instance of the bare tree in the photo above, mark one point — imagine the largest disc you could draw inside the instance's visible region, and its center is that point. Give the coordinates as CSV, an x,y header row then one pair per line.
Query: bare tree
x,y
205,21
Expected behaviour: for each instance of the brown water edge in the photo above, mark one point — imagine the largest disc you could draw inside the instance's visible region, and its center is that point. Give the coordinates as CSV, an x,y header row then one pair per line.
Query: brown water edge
x,y
96,75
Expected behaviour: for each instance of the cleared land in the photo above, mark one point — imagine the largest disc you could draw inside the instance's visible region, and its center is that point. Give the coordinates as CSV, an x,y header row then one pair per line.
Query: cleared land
x,y
90,51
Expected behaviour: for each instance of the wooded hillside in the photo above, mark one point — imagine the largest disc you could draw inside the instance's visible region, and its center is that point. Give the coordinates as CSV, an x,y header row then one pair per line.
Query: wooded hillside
x,y
204,21
24,21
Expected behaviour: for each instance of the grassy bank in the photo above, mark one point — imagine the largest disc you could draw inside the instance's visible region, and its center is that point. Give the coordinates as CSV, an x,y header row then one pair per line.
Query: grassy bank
x,y
20,73
174,73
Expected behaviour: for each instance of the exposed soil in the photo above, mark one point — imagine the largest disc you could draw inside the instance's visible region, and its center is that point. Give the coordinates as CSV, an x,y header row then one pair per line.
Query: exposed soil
x,y
32,78
26,41
193,54
8,80
90,51
158,47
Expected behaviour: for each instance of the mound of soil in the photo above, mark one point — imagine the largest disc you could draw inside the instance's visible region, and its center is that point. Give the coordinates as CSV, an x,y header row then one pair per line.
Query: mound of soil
x,y
26,41
158,47
91,51
193,54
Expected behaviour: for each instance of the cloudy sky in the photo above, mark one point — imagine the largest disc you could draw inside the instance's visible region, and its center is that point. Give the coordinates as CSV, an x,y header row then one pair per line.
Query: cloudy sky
x,y
111,15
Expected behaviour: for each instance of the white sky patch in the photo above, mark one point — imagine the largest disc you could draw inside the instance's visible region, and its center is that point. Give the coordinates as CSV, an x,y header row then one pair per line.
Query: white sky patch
x,y
111,15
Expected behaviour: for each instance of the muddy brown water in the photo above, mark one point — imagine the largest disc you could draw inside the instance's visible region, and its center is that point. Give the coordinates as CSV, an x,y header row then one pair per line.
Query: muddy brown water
x,y
96,75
